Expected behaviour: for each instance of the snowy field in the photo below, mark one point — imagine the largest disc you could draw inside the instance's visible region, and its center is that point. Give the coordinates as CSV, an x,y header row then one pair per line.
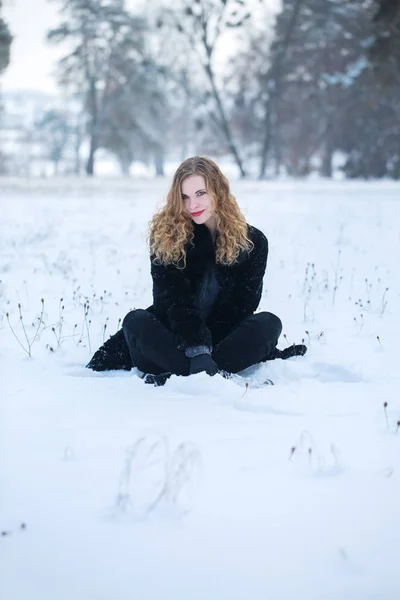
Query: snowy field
x,y
111,489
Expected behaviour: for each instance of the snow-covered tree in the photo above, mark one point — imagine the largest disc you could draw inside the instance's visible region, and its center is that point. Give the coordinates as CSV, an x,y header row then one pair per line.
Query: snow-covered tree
x,y
385,46
105,50
321,94
135,119
55,131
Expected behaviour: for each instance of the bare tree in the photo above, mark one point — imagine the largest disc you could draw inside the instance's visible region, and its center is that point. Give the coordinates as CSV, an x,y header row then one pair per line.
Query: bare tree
x,y
202,23
244,88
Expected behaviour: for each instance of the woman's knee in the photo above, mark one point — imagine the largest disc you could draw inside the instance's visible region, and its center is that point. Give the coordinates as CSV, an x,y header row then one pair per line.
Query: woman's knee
x,y
270,322
134,320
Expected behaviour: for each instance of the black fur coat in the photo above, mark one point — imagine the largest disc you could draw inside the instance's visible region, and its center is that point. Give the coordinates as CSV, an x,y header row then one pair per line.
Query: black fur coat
x,y
240,288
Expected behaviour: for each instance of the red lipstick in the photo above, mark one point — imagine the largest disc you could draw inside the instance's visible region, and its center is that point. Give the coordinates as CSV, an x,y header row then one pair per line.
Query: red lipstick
x,y
197,214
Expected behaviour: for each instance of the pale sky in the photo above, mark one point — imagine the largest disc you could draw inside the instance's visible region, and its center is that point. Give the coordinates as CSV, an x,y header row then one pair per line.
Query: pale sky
x,y
33,60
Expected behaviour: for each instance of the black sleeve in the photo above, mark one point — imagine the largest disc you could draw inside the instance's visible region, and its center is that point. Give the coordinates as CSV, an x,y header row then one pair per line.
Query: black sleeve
x,y
172,296
247,291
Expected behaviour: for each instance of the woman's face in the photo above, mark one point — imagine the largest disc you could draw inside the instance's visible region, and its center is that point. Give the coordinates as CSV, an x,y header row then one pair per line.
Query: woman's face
x,y
196,200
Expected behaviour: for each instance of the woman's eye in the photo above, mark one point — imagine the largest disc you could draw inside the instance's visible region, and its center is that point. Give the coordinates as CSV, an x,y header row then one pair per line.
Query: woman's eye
x,y
201,193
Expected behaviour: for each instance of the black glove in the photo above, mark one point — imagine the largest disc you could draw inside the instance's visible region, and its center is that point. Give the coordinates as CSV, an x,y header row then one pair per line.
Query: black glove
x,y
203,362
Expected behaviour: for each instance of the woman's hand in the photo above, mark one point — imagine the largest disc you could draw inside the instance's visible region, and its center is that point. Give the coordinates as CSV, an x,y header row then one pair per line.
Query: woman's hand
x,y
201,363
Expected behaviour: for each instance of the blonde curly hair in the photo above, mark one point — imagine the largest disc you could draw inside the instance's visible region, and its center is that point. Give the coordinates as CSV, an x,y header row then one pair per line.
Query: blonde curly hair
x,y
172,228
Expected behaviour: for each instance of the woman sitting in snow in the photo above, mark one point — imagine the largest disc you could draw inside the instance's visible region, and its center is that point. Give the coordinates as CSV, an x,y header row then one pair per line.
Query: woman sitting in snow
x,y
207,266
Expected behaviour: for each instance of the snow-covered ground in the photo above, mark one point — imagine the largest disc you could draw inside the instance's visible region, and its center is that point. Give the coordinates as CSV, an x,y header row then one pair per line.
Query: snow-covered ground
x,y
115,490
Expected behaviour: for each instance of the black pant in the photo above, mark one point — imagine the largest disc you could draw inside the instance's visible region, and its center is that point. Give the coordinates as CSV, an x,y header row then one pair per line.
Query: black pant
x,y
153,349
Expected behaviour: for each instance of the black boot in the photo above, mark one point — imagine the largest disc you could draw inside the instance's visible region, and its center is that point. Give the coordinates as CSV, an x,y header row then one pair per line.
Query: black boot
x,y
294,350
156,380
112,355
102,361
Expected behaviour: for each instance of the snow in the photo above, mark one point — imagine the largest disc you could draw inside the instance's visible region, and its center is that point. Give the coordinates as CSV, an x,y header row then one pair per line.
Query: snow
x,y
348,78
192,490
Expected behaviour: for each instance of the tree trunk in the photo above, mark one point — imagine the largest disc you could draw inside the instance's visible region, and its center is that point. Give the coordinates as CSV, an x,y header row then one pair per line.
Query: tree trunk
x,y
124,165
93,127
77,165
277,152
275,89
159,161
267,138
224,121
327,149
77,148
92,151
327,155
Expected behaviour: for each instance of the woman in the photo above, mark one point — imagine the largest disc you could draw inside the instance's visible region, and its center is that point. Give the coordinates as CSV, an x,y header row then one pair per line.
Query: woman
x,y
207,266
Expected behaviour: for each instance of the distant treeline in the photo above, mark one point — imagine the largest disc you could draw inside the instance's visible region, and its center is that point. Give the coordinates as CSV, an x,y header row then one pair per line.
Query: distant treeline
x,y
313,88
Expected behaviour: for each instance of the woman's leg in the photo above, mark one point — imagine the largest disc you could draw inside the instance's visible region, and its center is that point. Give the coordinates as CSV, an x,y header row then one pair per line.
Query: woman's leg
x,y
253,341
152,346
